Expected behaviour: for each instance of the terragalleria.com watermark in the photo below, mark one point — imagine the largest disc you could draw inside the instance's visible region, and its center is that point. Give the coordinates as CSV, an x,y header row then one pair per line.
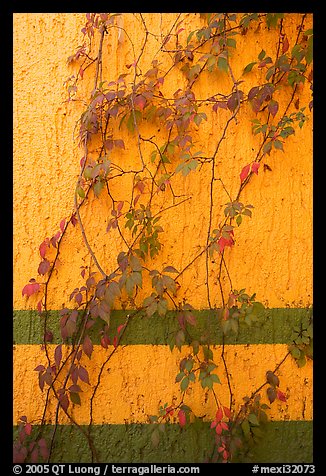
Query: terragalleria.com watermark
x,y
105,470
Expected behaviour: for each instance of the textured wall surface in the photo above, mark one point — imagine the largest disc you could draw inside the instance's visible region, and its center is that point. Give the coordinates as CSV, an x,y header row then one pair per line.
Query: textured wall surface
x,y
272,255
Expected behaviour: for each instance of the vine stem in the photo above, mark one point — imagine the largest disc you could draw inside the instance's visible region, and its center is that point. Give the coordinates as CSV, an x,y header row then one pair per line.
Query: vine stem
x,y
258,389
91,252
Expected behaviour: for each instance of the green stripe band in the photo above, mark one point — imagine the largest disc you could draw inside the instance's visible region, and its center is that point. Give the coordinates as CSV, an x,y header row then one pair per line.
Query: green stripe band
x,y
283,441
275,327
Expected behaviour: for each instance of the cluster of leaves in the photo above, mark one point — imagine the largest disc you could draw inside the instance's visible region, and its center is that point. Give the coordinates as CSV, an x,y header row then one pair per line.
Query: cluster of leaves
x,y
240,309
204,369
26,447
302,337
168,414
273,391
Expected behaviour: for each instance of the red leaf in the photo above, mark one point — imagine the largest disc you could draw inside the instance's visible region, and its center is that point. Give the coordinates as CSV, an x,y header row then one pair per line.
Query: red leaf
x,y
224,425
115,341
88,346
74,375
74,388
191,319
34,456
281,396
227,412
44,267
286,45
62,224
244,172
39,306
48,336
43,246
120,328
64,401
119,144
182,418
219,429
273,107
219,414
31,288
58,355
79,298
169,410
39,368
55,238
74,219
28,429
42,443
83,375
223,242
213,424
253,92
44,452
140,101
254,167
105,342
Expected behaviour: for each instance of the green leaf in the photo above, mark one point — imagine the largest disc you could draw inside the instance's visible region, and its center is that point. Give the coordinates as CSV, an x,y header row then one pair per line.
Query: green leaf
x,y
211,62
231,42
162,307
190,36
153,156
75,398
195,347
252,418
262,55
80,191
246,429
210,367
208,353
184,384
122,119
222,64
286,132
180,338
98,187
137,279
135,264
278,144
170,269
129,285
270,72
267,147
249,67
215,378
192,377
302,361
179,377
189,365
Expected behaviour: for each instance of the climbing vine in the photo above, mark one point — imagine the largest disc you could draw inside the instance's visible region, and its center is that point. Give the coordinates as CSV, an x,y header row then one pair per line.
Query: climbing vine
x,y
136,111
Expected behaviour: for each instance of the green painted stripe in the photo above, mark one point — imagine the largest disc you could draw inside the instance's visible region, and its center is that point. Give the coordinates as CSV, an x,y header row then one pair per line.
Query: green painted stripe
x,y
275,327
283,442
